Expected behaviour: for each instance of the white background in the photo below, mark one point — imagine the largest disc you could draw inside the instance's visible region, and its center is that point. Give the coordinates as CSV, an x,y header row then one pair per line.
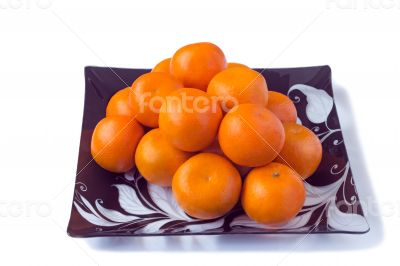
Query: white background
x,y
45,45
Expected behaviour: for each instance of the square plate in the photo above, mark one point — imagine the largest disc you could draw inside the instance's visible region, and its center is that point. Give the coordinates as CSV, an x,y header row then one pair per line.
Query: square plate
x,y
109,204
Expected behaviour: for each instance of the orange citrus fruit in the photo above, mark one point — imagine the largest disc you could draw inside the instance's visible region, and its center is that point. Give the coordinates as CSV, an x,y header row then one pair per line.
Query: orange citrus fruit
x,y
250,135
216,149
119,104
189,120
281,106
162,66
196,64
236,65
273,194
237,85
114,142
302,150
206,186
148,92
157,160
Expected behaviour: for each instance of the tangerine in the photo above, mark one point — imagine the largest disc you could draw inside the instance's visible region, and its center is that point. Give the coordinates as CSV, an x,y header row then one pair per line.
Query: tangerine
x,y
114,142
250,135
119,104
273,194
237,85
216,149
162,66
196,64
189,119
148,93
302,150
206,186
282,106
236,65
157,160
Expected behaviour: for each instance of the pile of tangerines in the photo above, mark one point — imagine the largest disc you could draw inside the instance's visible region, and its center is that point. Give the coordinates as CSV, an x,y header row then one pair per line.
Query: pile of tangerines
x,y
202,125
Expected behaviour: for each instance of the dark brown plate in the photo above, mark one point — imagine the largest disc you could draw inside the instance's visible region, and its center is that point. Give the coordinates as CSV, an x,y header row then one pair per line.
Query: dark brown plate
x,y
109,204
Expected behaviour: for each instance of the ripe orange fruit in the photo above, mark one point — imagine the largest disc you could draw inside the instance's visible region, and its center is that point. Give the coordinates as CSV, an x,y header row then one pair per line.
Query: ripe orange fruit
x,y
148,92
162,66
302,150
206,186
272,194
189,119
157,160
119,104
216,149
237,85
251,135
236,65
282,106
114,142
196,64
